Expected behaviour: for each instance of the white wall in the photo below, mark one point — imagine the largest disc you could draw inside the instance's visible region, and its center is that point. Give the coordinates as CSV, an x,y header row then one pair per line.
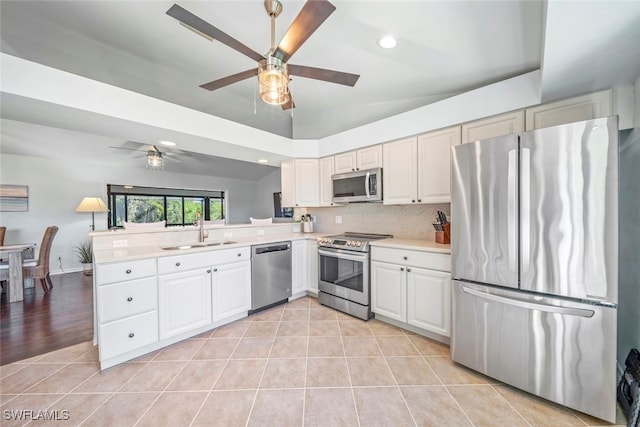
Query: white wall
x,y
629,279
56,187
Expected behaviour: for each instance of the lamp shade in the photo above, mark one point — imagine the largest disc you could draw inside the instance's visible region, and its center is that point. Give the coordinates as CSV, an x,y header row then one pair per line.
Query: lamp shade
x,y
91,204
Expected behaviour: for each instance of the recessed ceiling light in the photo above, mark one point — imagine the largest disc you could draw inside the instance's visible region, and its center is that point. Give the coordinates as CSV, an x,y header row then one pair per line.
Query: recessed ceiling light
x,y
263,161
387,42
167,143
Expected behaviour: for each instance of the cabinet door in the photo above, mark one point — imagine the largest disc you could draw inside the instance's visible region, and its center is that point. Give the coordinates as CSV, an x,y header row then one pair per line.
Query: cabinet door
x,y
389,291
231,289
287,183
429,300
184,302
326,184
503,124
299,267
312,256
434,165
344,162
307,182
399,172
369,158
570,110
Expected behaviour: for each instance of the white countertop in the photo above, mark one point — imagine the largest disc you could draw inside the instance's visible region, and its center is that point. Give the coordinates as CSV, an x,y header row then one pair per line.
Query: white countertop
x,y
413,244
144,252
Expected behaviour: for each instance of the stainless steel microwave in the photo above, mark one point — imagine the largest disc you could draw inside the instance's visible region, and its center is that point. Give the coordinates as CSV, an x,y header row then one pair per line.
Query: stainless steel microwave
x,y
358,186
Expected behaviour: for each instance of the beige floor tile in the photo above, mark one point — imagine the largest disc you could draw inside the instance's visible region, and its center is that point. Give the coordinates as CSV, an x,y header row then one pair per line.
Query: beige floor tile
x,y
325,347
315,305
381,406
14,412
369,371
452,373
361,346
4,398
262,329
327,372
269,410
147,357
303,303
621,420
433,406
241,374
295,316
183,350
396,346
78,407
537,411
284,373
250,348
485,407
66,379
289,347
226,409
235,329
342,410
324,328
6,370
89,356
68,354
216,348
122,409
204,335
380,328
412,371
110,379
427,347
26,378
173,409
154,376
269,315
322,313
354,328
197,375
293,329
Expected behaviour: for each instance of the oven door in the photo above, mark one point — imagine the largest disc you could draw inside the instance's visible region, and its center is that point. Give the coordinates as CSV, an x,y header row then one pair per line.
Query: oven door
x,y
344,274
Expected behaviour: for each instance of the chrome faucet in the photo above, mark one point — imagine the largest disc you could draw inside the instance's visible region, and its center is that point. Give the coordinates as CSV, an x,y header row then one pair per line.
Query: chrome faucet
x,y
200,222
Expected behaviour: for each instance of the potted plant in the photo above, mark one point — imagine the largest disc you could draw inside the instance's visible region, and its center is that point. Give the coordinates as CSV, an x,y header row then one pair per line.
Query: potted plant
x,y
85,256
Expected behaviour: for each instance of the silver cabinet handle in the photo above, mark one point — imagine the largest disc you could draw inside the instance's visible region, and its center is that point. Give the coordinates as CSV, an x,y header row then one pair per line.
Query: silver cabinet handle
x,y
240,254
130,299
404,258
215,270
408,270
401,268
209,271
131,335
128,271
177,264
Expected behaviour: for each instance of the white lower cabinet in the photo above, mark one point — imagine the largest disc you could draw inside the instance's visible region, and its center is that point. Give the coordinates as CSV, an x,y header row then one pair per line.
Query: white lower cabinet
x,y
312,254
184,301
299,267
406,293
231,289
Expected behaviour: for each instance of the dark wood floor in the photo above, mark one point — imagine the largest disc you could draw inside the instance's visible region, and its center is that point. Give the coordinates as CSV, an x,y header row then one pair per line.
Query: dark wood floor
x,y
43,323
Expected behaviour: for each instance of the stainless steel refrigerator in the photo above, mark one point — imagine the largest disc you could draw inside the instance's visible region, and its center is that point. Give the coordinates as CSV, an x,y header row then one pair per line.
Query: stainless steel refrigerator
x,y
534,242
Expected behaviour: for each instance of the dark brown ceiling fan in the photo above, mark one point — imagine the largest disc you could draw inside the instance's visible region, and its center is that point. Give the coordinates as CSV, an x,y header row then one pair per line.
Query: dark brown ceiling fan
x,y
273,69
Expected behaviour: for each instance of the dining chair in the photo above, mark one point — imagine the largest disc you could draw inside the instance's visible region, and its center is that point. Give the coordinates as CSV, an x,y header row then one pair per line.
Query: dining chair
x,y
3,231
40,269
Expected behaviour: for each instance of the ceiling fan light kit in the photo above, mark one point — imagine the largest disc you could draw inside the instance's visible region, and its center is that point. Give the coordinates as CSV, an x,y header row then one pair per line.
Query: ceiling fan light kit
x,y
154,159
273,70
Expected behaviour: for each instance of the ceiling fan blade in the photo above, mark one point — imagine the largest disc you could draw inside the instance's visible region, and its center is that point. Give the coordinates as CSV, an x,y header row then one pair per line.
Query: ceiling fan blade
x,y
289,105
312,15
191,20
331,76
225,81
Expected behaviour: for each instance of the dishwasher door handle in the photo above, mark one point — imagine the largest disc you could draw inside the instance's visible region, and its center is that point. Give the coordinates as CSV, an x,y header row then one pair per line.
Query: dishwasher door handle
x,y
269,249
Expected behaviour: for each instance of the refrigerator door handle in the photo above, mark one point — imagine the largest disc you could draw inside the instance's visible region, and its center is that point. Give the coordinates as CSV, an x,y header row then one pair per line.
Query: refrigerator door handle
x,y
512,200
529,305
525,206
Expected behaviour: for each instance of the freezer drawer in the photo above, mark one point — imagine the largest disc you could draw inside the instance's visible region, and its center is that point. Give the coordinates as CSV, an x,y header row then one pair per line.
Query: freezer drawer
x,y
559,350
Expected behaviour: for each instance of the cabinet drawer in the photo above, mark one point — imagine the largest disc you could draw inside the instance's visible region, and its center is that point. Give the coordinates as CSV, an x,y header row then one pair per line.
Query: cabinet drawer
x,y
128,334
178,263
429,260
122,271
125,299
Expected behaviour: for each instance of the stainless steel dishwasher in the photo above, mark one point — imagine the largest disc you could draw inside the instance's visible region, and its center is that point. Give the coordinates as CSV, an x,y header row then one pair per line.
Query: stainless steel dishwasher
x,y
270,274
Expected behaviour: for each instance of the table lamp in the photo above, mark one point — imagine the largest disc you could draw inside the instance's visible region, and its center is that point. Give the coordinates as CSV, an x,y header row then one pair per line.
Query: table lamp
x,y
93,205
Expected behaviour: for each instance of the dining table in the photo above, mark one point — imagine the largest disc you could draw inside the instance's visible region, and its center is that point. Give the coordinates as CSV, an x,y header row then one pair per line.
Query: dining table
x,y
15,288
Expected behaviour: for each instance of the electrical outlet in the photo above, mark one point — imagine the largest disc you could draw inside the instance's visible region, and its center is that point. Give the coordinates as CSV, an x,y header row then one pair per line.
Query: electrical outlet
x,y
120,243
338,219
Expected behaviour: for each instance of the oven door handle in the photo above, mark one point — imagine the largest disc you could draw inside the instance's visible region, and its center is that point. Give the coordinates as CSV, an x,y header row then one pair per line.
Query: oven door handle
x,y
348,255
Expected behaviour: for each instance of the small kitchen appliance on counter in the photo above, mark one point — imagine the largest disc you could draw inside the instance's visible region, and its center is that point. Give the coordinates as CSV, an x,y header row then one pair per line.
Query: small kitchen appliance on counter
x,y
343,272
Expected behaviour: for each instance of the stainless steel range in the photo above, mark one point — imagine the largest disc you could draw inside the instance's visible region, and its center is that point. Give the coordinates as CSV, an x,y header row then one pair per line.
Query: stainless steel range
x,y
343,272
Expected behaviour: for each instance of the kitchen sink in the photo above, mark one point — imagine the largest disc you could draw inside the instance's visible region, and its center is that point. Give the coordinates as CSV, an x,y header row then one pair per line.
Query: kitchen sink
x,y
196,245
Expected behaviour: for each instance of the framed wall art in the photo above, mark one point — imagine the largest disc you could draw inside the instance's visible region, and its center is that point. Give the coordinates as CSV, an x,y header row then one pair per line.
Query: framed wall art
x,y
14,198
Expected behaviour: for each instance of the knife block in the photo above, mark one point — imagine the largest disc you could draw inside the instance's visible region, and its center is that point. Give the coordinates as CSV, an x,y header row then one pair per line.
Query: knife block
x,y
444,237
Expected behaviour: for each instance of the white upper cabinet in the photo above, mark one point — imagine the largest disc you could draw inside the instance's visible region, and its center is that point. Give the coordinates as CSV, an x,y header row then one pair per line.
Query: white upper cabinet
x,y
326,184
287,183
503,124
570,110
434,165
307,182
400,171
364,158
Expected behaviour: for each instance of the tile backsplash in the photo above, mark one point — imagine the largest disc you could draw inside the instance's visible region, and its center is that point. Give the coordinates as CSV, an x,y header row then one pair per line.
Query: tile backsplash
x,y
403,221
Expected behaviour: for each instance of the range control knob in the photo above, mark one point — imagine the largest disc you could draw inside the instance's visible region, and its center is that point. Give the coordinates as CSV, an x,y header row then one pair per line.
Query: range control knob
x,y
358,244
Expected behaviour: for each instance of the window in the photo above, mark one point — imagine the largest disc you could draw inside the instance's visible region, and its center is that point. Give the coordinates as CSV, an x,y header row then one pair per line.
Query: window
x,y
150,204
